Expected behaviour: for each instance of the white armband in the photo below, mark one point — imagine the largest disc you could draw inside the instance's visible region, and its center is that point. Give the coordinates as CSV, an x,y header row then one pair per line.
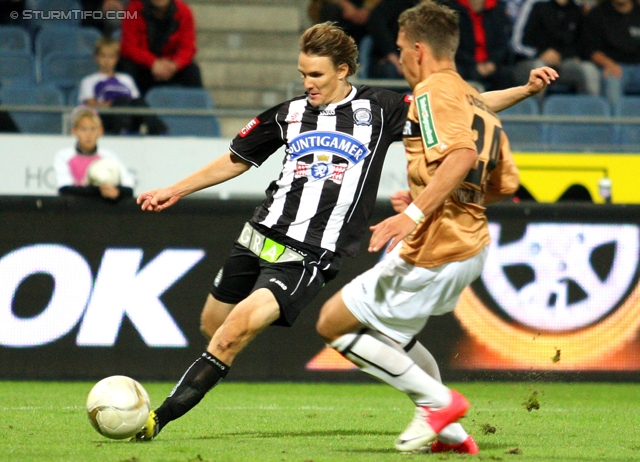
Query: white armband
x,y
413,212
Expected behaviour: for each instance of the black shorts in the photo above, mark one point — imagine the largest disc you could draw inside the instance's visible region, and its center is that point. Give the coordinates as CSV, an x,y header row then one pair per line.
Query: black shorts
x,y
294,284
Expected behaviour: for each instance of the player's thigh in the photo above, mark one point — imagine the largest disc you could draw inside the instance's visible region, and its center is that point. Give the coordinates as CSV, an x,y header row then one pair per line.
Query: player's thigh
x,y
213,315
293,284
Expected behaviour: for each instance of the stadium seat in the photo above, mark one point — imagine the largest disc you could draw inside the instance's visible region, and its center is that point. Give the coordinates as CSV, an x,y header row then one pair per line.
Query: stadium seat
x,y
562,136
53,13
365,48
522,134
65,70
17,65
14,38
184,98
628,134
78,40
22,93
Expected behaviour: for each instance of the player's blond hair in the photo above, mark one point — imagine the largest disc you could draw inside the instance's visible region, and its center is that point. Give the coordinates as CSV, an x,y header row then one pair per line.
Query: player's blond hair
x,y
327,39
433,24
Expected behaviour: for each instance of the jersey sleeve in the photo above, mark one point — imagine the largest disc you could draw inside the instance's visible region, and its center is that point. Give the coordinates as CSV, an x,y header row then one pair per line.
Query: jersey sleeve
x,y
504,178
260,138
396,106
443,117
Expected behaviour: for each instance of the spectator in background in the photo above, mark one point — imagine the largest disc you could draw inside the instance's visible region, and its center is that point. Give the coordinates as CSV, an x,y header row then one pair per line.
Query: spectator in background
x,y
108,88
552,38
611,36
72,164
383,27
351,16
483,55
107,25
158,44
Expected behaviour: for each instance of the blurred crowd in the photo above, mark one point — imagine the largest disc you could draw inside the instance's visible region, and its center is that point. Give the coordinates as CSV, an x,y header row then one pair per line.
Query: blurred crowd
x,y
594,45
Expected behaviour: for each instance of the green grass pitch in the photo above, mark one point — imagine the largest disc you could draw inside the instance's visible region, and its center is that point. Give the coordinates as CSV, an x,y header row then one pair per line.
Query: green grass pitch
x,y
519,421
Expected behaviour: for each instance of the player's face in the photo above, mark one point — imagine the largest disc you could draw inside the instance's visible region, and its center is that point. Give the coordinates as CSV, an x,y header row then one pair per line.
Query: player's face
x,y
107,59
87,131
408,59
323,82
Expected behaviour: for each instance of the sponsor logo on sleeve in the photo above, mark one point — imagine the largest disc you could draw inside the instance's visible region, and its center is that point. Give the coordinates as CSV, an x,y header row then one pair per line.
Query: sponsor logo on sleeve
x,y
250,126
425,118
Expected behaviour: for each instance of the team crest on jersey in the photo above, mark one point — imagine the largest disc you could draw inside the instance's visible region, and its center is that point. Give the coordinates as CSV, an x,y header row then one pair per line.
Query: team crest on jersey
x,y
293,118
320,171
362,116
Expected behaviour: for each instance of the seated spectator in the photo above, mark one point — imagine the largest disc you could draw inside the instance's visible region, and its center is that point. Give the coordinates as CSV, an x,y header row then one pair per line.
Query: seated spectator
x,y
72,164
158,44
106,23
351,16
483,55
108,88
551,38
611,36
383,27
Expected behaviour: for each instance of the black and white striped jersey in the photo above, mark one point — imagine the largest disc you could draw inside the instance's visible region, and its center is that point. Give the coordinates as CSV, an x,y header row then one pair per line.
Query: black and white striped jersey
x,y
334,155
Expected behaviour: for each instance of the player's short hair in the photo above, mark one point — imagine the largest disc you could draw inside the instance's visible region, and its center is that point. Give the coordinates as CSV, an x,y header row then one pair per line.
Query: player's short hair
x,y
84,112
433,24
105,42
327,39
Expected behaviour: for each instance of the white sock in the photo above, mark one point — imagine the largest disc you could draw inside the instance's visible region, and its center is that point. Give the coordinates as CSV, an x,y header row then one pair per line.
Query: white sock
x,y
394,367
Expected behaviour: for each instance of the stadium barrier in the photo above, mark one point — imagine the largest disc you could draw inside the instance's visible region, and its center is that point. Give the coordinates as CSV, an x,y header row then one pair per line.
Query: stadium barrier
x,y
89,289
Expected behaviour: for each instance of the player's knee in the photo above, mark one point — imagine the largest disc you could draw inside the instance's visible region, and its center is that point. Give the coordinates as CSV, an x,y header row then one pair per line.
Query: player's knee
x,y
323,327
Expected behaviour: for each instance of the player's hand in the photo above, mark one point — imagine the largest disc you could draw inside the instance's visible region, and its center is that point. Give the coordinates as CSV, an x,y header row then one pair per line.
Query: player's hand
x,y
400,200
109,191
392,230
539,78
157,200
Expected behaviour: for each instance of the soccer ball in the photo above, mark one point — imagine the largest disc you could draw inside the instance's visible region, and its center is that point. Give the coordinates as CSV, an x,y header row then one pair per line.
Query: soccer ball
x,y
118,407
103,171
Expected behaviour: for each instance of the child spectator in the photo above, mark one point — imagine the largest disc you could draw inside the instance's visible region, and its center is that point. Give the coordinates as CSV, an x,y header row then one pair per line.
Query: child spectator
x,y
72,164
107,88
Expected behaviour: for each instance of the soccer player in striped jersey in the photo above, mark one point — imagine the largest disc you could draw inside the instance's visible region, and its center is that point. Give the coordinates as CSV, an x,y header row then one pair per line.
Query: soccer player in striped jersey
x,y
335,138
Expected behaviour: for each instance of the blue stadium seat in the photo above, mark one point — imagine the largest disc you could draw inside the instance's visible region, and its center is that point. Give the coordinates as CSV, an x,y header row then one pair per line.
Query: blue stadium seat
x,y
17,65
628,134
78,40
14,38
523,133
22,93
365,49
52,13
562,136
65,70
185,98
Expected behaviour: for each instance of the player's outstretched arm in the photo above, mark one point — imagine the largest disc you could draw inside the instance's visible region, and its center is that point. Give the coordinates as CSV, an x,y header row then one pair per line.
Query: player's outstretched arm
x,y
539,79
447,177
218,171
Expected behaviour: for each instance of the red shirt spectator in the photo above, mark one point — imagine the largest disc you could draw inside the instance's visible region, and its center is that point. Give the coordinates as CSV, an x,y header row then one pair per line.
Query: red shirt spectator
x,y
158,44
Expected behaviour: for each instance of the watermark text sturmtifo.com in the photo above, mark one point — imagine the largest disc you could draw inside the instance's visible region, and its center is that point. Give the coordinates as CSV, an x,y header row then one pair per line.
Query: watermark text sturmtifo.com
x,y
74,14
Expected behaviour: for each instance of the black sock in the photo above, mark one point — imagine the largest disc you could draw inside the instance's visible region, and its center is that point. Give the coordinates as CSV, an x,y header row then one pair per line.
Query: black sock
x,y
202,376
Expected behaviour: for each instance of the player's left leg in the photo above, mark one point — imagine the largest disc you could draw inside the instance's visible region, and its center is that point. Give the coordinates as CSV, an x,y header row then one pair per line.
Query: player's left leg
x,y
453,434
437,405
243,324
213,315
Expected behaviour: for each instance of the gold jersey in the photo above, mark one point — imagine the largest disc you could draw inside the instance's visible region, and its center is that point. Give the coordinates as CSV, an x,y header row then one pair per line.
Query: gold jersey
x,y
449,114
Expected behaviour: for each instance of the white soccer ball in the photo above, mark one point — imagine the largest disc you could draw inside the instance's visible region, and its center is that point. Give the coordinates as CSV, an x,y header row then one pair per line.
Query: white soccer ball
x,y
118,407
103,171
